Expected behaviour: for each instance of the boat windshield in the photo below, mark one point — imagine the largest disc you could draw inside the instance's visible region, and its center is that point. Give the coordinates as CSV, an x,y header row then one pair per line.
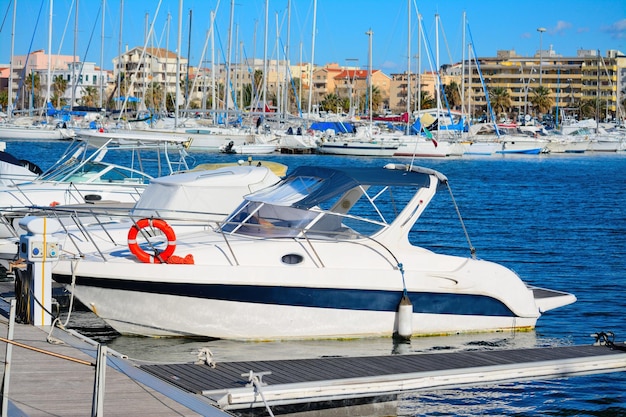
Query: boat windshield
x,y
362,211
101,173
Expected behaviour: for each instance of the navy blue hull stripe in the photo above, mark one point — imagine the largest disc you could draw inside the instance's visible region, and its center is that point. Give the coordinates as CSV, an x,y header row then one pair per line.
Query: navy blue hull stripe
x,y
342,299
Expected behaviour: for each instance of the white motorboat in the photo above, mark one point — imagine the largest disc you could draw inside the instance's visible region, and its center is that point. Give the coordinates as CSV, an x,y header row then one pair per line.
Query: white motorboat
x,y
82,175
14,171
422,147
205,139
34,132
366,141
325,253
511,139
193,200
249,148
358,147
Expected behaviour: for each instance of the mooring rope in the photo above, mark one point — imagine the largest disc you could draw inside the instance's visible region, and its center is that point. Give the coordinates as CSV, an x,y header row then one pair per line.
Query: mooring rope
x,y
458,212
607,339
256,380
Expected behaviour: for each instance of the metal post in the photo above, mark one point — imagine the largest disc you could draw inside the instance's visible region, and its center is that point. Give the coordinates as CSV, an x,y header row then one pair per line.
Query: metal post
x,y
8,357
540,30
40,249
97,406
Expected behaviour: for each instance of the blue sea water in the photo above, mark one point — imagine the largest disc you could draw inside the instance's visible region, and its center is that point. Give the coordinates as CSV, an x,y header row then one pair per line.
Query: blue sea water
x,y
559,221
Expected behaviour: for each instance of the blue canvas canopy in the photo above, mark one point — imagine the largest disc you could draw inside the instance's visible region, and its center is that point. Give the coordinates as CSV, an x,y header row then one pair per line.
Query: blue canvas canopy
x,y
130,99
338,127
308,186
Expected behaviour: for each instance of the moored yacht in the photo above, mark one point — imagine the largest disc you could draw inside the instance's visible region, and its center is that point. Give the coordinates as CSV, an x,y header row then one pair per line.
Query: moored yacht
x,y
325,253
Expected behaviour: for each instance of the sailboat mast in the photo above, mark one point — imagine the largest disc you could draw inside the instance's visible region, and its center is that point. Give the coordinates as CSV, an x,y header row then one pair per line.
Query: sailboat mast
x,y
102,56
167,60
119,55
265,57
188,61
178,46
598,92
286,83
438,79
408,74
463,109
74,80
10,98
419,63
49,53
278,96
312,56
369,33
213,92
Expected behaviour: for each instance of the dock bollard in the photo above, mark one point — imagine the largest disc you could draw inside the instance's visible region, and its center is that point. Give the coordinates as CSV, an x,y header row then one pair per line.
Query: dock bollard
x,y
40,249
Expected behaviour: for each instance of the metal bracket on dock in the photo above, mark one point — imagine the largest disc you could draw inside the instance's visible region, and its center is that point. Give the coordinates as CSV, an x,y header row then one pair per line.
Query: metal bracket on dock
x,y
256,377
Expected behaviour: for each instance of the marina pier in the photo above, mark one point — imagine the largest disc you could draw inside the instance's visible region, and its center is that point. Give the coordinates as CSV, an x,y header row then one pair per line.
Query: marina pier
x,y
42,385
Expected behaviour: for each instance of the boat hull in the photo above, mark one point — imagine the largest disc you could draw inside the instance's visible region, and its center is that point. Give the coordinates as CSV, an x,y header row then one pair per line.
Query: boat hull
x,y
358,148
256,313
34,134
267,297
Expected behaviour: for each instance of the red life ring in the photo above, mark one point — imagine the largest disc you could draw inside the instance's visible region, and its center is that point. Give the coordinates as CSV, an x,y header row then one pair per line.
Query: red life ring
x,y
140,253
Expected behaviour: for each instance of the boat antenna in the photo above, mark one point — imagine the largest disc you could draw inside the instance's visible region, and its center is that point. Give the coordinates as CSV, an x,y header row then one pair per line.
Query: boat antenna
x,y
458,212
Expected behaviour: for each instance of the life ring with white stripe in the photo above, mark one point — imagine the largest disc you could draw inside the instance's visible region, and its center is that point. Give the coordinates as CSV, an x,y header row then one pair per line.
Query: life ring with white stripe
x,y
142,255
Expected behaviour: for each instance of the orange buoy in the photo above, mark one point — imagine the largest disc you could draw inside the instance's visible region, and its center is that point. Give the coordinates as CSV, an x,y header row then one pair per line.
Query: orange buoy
x,y
142,255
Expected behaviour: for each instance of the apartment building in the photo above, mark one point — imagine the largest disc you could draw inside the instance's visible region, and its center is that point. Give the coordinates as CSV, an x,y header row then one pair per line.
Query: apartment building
x,y
34,63
155,68
571,80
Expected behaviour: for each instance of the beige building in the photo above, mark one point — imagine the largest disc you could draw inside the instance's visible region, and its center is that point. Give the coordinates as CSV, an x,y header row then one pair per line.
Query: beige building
x,y
155,65
37,62
571,80
333,79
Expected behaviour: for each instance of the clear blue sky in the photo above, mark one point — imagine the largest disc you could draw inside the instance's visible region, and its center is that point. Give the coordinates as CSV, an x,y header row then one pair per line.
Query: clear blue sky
x,y
341,26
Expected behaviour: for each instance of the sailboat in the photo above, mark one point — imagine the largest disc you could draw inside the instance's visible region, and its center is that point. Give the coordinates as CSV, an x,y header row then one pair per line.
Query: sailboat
x,y
418,140
29,128
367,140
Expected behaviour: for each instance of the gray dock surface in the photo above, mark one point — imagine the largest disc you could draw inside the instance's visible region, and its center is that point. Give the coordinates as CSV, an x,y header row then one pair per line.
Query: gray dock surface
x,y
43,385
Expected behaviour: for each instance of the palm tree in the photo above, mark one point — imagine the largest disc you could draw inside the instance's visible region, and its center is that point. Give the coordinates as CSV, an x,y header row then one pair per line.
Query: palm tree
x,y
344,102
59,85
377,99
294,91
452,94
258,84
426,101
90,96
587,108
4,99
154,95
121,86
541,99
500,99
246,96
330,102
33,85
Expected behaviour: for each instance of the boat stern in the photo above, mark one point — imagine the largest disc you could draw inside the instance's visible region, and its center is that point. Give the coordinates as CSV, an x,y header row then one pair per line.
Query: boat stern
x,y
547,299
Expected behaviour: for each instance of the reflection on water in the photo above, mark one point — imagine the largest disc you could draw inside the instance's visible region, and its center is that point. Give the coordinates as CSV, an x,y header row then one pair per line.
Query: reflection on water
x,y
186,349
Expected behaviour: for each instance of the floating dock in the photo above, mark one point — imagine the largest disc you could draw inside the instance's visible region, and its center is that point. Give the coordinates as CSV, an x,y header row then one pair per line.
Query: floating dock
x,y
285,382
40,384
